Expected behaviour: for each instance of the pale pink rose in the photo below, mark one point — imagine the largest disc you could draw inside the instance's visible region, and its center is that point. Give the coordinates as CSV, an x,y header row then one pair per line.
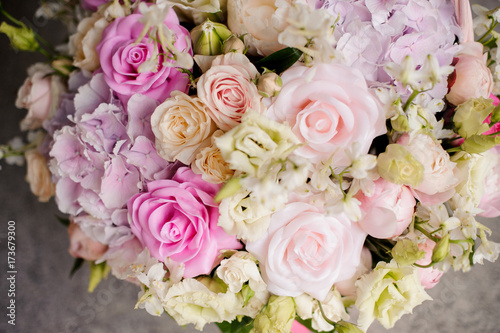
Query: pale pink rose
x,y
82,246
177,218
464,19
38,175
429,277
228,91
490,201
440,174
388,211
306,251
39,95
473,77
348,287
329,107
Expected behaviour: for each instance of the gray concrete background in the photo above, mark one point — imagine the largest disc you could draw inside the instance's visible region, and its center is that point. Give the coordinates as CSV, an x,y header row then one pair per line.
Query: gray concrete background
x,y
47,300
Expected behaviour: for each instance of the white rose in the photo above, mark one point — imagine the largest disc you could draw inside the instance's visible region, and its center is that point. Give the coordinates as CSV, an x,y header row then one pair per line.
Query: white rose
x,y
441,175
244,217
239,269
228,91
387,293
260,21
257,141
191,302
84,42
181,126
210,164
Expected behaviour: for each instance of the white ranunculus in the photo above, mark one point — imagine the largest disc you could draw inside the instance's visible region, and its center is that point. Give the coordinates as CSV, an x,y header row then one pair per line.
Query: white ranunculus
x,y
181,126
387,293
191,302
244,217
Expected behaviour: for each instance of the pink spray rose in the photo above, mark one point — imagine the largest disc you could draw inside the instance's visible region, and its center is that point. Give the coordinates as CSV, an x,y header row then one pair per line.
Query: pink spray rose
x,y
429,277
388,212
473,77
306,251
82,246
121,57
328,107
177,218
441,175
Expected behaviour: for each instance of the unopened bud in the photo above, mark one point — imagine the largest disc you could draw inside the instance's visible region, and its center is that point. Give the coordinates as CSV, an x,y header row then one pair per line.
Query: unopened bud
x,y
21,38
63,66
208,38
269,84
234,44
442,249
400,123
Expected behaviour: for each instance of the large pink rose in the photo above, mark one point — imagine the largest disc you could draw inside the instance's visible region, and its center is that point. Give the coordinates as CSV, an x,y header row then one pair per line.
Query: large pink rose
x,y
329,107
121,56
388,211
306,251
177,218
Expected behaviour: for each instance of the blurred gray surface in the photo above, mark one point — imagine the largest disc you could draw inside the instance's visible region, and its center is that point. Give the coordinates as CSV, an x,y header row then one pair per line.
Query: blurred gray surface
x,y
47,300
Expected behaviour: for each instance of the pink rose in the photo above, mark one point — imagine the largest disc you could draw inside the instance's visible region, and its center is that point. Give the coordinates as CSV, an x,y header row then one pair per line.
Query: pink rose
x,y
441,175
39,94
429,277
329,107
82,246
490,201
388,212
473,77
306,251
177,218
228,91
121,57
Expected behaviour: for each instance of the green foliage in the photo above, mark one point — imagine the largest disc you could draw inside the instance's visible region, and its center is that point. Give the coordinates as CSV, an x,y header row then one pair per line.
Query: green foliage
x,y
244,325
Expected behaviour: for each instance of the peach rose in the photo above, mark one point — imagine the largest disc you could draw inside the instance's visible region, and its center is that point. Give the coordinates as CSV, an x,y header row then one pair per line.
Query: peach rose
x,y
181,126
82,246
473,77
39,176
228,91
210,164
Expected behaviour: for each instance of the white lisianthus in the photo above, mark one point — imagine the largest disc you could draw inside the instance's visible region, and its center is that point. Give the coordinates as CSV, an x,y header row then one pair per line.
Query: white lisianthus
x,y
244,217
191,302
387,293
333,308
256,142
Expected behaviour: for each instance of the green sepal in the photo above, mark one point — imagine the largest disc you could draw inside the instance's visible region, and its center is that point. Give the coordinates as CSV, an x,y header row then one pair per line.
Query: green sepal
x,y
77,264
97,273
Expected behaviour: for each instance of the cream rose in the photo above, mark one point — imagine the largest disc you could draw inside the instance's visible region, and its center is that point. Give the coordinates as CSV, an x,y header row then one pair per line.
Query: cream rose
x,y
84,42
210,164
329,108
441,175
228,91
39,176
306,251
181,126
260,22
191,302
39,95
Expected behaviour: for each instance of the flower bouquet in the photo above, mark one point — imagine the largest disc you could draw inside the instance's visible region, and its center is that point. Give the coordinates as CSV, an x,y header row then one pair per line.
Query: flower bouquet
x,y
267,166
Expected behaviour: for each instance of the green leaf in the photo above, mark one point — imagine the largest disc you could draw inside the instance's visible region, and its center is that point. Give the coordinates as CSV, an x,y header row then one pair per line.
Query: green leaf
x,y
244,325
64,221
279,61
76,266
